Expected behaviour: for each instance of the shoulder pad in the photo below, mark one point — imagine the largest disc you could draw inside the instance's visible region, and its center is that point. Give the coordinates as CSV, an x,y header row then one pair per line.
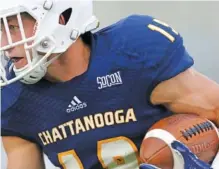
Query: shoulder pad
x,y
140,38
137,33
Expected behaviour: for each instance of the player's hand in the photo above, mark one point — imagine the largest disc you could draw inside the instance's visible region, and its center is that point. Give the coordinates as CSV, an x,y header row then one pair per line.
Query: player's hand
x,y
190,160
185,159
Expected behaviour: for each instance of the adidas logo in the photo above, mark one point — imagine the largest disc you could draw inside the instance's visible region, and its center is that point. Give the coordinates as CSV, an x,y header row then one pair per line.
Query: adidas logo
x,y
75,104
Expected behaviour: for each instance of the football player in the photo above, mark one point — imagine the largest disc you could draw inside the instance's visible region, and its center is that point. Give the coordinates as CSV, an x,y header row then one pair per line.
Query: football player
x,y
87,99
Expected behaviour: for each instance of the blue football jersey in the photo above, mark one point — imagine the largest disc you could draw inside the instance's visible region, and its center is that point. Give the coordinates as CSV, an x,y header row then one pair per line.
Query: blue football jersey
x,y
98,119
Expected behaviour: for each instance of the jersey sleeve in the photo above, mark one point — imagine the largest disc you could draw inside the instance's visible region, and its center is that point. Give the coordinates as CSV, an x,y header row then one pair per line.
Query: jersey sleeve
x,y
9,97
174,62
169,59
154,49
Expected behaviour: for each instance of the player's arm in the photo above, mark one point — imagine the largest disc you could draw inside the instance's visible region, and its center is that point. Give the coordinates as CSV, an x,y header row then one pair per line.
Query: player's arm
x,y
22,154
189,92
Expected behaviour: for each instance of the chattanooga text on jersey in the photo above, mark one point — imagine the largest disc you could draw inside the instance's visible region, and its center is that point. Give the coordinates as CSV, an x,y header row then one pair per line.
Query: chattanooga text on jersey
x,y
86,123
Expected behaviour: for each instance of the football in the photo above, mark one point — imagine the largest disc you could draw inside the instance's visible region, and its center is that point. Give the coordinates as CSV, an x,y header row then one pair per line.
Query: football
x,y
197,133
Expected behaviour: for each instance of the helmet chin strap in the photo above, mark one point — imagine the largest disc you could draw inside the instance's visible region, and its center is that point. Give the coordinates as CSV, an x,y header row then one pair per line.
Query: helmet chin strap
x,y
38,72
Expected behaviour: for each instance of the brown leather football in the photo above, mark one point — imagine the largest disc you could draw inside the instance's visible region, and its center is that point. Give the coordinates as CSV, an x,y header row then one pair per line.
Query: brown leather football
x,y
198,133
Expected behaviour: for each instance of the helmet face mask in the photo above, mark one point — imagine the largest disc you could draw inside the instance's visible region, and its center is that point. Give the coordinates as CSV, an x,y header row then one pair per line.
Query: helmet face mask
x,y
18,33
48,36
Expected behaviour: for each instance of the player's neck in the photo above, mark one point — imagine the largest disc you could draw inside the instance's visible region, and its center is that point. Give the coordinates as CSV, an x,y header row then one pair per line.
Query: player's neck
x,y
72,63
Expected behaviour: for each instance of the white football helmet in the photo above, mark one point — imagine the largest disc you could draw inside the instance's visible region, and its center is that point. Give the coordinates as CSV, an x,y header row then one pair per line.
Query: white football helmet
x,y
49,37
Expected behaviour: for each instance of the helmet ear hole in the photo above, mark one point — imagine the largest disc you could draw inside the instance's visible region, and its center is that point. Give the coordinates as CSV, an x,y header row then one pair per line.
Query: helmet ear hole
x,y
65,16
